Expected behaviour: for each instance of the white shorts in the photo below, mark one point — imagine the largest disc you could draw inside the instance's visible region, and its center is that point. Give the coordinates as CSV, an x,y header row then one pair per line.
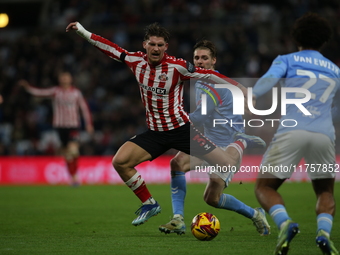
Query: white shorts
x,y
287,149
227,175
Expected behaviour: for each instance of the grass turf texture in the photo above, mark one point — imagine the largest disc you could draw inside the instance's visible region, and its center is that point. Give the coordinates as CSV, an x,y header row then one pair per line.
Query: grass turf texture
x,y
97,220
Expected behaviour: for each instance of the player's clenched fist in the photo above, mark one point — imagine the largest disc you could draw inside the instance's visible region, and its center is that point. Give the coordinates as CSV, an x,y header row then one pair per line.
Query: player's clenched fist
x,y
72,26
23,83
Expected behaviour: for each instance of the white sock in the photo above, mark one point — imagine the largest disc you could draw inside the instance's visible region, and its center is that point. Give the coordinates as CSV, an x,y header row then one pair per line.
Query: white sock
x,y
150,201
244,142
255,214
178,216
135,181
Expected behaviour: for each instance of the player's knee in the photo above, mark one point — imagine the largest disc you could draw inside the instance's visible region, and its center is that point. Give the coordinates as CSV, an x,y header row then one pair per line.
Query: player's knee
x,y
71,155
176,165
173,163
119,163
210,199
71,152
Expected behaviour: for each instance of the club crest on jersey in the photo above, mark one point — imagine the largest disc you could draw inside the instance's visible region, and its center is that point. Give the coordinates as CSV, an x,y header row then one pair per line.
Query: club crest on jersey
x,y
163,77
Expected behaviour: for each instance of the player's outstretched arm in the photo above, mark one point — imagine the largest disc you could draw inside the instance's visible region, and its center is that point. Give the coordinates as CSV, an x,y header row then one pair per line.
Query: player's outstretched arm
x,y
107,47
40,92
80,31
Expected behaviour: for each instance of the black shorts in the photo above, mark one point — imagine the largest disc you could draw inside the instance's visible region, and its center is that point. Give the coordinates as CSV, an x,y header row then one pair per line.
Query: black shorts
x,y
185,138
67,135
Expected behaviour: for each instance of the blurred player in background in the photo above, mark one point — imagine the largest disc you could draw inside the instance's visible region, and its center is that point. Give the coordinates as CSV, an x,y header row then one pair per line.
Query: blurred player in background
x,y
219,106
160,78
313,138
66,100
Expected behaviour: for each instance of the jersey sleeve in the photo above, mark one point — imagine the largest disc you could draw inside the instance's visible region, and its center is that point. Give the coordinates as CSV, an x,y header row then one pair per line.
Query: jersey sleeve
x,y
107,47
188,71
277,71
84,109
49,92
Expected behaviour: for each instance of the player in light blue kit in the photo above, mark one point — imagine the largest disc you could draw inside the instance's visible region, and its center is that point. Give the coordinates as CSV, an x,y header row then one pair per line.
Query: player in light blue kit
x,y
219,106
313,137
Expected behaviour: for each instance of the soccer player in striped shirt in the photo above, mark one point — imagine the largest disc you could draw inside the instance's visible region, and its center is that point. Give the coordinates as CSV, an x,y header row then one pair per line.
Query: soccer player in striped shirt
x,y
219,106
160,79
67,100
313,137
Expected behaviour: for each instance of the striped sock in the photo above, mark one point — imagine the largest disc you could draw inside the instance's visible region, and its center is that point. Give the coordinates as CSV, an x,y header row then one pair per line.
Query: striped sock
x,y
137,185
279,214
325,222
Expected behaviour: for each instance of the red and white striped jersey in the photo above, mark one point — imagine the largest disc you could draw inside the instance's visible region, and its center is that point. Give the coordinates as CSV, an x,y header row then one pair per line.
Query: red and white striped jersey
x,y
66,104
161,86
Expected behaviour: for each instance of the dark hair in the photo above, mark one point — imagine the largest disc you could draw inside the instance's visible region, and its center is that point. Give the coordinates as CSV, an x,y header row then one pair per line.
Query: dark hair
x,y
206,44
311,31
155,29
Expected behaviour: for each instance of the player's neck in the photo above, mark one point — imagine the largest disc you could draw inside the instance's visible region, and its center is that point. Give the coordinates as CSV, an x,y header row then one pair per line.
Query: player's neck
x,y
65,86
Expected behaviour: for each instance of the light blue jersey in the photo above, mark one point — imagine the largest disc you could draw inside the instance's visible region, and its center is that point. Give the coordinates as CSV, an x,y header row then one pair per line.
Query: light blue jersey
x,y
307,69
219,106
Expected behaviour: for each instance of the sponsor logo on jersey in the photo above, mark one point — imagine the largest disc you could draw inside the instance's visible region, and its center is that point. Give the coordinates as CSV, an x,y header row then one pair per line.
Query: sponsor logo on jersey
x,y
159,91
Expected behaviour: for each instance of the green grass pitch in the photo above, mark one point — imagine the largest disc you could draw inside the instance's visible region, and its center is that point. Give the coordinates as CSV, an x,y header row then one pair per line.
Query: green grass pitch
x,y
97,220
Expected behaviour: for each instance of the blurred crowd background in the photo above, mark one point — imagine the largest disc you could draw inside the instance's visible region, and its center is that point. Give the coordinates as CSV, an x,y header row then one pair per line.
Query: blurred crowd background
x,y
35,46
